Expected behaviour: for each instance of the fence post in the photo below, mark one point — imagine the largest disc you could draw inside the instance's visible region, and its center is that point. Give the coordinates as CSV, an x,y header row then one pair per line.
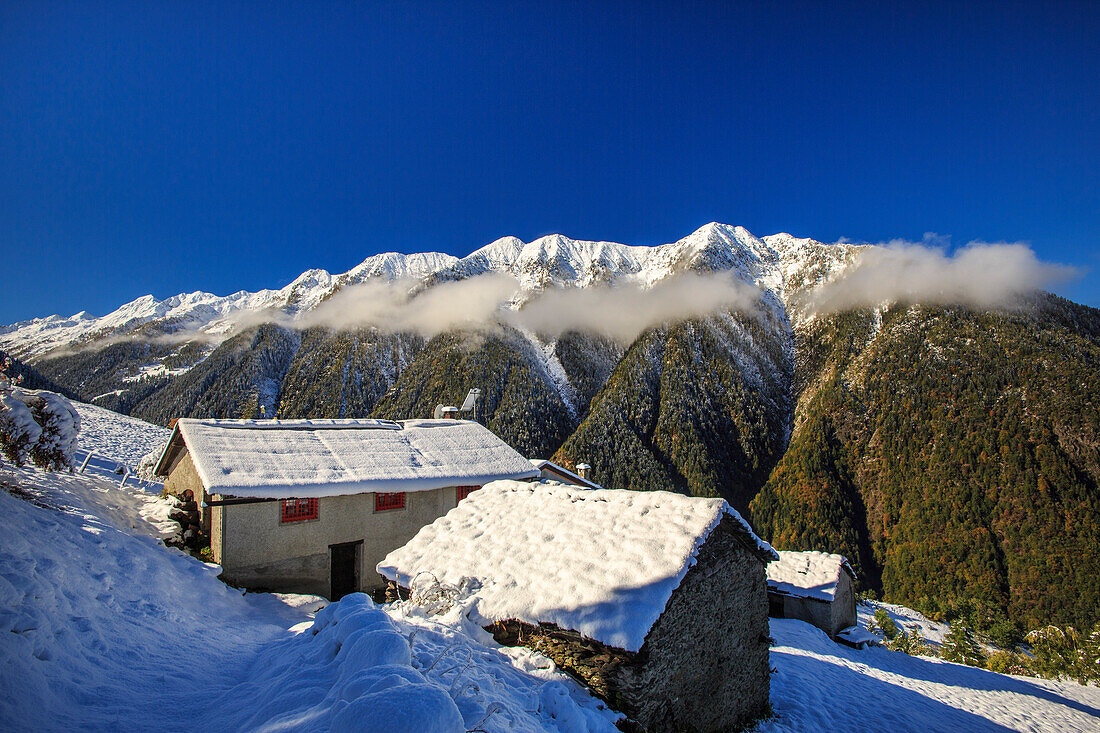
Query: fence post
x,y
85,463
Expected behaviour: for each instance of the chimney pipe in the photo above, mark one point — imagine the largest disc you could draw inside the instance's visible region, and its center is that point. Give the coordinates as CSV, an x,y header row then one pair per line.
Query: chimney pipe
x,y
582,470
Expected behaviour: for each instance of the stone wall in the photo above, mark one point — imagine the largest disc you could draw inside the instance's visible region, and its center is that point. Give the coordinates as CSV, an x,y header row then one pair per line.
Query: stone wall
x,y
844,604
594,664
704,665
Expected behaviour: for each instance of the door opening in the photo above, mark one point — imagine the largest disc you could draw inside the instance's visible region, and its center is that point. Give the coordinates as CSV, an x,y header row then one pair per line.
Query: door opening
x,y
344,569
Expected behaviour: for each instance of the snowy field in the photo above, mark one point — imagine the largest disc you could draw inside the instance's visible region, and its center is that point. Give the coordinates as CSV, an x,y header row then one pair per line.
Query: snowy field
x,y
117,437
822,686
109,630
103,628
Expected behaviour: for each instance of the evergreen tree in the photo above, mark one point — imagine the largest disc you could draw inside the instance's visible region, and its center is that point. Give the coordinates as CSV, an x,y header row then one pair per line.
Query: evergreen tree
x,y
961,647
885,624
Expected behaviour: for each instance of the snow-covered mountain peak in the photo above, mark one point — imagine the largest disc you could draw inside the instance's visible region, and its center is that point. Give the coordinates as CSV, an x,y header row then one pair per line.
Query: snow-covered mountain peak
x,y
397,266
779,263
496,255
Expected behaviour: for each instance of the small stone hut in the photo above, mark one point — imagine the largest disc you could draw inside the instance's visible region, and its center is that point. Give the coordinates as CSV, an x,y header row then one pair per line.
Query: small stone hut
x,y
655,600
815,587
311,506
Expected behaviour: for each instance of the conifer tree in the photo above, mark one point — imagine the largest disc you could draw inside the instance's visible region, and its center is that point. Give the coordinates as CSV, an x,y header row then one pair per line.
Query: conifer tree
x,y
961,647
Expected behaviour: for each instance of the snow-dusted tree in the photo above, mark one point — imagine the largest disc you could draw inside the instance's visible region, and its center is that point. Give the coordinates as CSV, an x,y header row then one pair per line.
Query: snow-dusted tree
x,y
1088,657
60,424
1065,652
148,464
960,646
18,430
885,624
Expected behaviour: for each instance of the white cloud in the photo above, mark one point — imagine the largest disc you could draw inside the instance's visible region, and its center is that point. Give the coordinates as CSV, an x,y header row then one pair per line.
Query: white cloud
x,y
980,274
623,313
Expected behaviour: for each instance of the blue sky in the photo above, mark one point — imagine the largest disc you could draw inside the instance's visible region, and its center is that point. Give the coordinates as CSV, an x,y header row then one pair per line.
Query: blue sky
x,y
168,147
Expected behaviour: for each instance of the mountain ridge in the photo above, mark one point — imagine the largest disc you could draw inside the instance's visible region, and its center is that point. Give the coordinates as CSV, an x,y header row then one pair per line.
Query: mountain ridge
x,y
550,260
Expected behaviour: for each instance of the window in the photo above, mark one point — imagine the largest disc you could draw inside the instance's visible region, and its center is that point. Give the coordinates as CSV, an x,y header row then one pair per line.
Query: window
x,y
299,510
464,491
385,502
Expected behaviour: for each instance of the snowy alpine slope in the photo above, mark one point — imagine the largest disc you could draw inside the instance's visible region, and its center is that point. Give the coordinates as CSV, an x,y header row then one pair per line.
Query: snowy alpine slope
x,y
910,621
206,312
118,437
823,686
101,626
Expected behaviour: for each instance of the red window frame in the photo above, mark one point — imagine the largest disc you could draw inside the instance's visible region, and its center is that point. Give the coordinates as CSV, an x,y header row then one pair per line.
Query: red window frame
x,y
461,492
300,510
387,502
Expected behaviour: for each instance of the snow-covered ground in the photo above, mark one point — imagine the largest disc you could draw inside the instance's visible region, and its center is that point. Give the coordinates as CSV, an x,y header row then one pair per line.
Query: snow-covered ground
x,y
364,667
822,686
910,621
103,628
117,437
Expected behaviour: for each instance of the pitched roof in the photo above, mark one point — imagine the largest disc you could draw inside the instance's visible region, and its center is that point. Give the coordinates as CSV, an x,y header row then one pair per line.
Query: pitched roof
x,y
563,473
308,458
598,561
808,574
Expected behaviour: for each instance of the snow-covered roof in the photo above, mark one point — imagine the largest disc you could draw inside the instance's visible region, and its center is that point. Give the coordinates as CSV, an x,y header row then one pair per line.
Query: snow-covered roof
x,y
308,458
601,562
807,574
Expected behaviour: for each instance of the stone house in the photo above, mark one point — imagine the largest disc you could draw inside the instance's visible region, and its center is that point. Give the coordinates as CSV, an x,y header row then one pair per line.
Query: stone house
x,y
311,506
815,587
656,601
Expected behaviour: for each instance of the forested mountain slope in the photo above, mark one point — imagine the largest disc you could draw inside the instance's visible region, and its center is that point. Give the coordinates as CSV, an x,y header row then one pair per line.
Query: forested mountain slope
x,y
519,400
953,454
699,407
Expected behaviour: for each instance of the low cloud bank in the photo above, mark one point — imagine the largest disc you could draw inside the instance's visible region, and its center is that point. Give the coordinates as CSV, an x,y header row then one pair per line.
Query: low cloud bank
x,y
183,336
620,312
624,313
980,275
389,306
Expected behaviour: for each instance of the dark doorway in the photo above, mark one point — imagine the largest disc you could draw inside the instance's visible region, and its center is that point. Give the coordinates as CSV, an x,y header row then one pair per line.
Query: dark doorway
x,y
344,564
